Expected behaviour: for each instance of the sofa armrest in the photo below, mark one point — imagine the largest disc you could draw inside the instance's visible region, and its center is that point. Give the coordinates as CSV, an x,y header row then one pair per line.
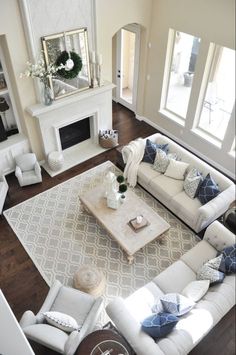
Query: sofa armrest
x,y
18,172
219,236
27,319
131,329
214,208
72,343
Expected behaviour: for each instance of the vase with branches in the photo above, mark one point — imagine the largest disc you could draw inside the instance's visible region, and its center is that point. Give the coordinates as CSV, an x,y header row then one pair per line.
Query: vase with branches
x,y
43,72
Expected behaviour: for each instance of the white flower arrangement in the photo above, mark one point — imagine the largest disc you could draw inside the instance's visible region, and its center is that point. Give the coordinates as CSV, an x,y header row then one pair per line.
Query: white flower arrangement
x,y
40,70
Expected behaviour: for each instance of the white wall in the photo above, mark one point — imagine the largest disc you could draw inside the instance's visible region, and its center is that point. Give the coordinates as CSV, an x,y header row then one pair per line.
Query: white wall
x,y
212,21
111,16
15,52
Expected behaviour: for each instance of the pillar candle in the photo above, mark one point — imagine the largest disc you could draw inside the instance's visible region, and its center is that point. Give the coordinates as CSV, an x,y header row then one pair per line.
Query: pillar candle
x,y
100,59
93,57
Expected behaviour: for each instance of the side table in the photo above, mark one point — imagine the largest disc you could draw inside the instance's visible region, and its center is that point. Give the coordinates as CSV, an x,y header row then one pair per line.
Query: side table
x,y
105,341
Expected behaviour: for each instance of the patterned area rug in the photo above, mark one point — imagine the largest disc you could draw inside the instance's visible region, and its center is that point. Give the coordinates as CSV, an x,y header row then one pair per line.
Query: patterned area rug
x,y
59,236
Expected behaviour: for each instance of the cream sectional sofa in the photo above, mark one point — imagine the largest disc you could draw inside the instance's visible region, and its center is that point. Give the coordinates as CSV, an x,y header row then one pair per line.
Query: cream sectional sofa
x,y
170,192
192,327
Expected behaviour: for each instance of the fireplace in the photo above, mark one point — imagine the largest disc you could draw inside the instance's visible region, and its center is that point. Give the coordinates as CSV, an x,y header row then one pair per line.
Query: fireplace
x,y
75,133
91,108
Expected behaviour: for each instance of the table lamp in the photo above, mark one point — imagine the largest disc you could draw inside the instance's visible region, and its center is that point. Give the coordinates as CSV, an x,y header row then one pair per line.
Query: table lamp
x,y
3,108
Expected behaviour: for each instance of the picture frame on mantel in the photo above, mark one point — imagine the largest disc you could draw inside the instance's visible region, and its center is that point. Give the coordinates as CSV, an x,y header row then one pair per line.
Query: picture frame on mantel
x,y
69,48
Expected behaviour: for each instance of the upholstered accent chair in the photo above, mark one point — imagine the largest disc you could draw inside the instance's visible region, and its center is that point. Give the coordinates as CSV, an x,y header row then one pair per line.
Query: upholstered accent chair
x,y
28,170
3,191
84,308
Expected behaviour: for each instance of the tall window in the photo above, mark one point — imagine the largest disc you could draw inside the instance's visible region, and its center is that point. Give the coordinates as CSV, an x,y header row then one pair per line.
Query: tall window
x,y
184,48
219,98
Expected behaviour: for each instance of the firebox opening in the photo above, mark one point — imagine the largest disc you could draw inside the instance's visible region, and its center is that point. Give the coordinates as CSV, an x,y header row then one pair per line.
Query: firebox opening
x,y
75,133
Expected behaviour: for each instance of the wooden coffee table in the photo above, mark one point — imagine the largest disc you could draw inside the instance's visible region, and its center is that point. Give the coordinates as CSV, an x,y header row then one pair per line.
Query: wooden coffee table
x,y
116,221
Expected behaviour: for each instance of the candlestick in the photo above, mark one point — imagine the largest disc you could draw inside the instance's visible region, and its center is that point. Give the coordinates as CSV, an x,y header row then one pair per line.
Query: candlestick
x,y
93,57
99,59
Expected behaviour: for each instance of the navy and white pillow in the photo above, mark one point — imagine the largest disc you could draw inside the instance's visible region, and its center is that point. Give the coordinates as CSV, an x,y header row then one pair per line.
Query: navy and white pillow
x,y
229,255
151,149
213,271
208,190
159,325
192,183
176,304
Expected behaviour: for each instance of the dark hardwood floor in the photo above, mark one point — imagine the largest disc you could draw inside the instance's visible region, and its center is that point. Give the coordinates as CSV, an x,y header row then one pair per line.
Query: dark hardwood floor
x,y
20,281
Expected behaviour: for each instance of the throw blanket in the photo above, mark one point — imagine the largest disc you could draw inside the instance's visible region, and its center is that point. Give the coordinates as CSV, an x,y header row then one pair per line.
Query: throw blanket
x,y
132,155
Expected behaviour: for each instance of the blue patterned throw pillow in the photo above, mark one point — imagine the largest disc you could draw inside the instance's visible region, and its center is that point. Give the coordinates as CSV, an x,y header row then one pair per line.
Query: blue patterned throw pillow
x,y
229,255
208,190
151,149
176,304
159,325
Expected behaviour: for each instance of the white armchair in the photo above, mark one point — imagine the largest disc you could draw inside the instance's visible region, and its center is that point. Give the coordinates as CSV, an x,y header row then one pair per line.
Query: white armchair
x,y
28,170
3,191
84,308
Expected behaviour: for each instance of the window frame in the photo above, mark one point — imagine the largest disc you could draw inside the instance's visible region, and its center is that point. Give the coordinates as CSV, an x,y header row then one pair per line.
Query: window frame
x,y
211,60
164,110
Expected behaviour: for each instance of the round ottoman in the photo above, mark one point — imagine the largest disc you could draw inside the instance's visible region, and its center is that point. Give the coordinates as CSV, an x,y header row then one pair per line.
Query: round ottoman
x,y
55,160
90,280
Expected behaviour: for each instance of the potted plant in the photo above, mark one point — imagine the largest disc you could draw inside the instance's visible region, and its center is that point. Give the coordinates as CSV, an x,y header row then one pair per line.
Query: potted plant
x,y
122,187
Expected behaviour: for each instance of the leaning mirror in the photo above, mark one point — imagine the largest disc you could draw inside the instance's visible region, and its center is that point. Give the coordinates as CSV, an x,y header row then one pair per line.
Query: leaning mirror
x,y
70,49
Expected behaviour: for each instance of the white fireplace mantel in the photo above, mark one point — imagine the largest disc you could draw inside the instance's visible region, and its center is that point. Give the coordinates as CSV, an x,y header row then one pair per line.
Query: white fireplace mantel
x,y
95,103
39,109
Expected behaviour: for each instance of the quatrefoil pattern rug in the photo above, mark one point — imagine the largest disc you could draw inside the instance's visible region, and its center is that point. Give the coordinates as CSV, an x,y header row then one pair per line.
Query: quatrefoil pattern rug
x,y
59,236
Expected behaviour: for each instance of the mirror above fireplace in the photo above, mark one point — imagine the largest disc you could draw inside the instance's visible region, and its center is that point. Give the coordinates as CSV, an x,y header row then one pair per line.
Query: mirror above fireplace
x,y
71,49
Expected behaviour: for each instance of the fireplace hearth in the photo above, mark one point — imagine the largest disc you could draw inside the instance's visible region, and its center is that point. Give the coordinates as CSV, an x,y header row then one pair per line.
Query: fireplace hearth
x,y
75,133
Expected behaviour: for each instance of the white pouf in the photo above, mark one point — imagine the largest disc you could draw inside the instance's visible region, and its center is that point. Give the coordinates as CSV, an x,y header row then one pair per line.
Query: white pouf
x,y
55,160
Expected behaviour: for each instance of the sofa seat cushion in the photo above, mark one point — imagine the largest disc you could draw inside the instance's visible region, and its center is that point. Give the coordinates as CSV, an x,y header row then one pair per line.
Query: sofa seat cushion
x,y
223,297
175,278
182,204
226,289
166,186
196,257
140,302
193,326
146,172
46,334
190,329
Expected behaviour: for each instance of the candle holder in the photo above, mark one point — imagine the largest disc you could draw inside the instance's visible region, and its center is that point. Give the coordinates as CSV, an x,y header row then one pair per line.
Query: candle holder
x,y
100,81
94,82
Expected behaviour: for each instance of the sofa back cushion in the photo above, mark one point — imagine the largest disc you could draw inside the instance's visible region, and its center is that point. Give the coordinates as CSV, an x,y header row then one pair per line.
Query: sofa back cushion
x,y
26,162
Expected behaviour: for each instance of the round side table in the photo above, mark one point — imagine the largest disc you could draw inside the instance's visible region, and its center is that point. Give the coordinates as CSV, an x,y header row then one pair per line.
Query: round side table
x,y
90,280
55,160
104,341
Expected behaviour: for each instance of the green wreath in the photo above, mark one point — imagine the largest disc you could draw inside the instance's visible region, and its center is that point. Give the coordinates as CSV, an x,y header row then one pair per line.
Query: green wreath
x,y
69,74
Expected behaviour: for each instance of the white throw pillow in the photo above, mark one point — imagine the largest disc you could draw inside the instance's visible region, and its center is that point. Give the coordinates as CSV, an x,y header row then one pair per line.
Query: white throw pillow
x,y
195,290
176,169
61,321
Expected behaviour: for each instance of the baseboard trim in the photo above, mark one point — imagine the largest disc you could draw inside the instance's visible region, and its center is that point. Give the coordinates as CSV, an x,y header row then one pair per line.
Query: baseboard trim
x,y
187,146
